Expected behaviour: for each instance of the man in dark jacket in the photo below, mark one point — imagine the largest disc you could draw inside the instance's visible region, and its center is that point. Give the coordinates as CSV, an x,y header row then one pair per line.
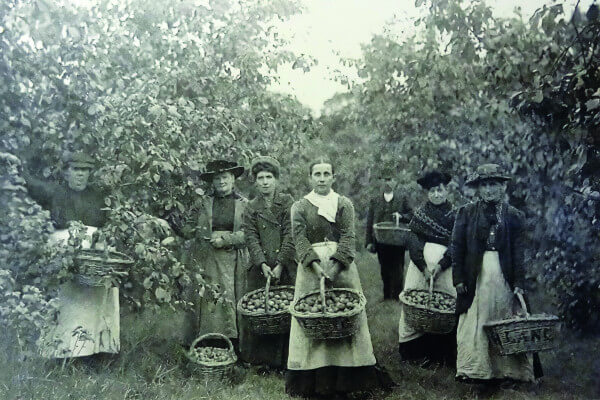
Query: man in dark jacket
x,y
387,205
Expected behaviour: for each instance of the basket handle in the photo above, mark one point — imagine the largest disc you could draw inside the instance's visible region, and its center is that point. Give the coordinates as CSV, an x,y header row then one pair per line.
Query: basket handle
x,y
213,336
523,305
267,288
322,292
429,298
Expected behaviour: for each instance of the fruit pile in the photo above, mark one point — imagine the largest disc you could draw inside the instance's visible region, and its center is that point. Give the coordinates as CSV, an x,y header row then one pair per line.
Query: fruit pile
x,y
335,302
439,301
210,354
279,300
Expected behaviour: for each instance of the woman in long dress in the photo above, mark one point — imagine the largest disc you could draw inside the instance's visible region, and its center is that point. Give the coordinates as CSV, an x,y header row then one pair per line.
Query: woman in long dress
x,y
215,248
488,268
431,228
323,233
268,233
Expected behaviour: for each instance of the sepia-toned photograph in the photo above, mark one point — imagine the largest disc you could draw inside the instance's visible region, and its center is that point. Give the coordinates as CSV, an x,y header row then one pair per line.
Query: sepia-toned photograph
x,y
299,199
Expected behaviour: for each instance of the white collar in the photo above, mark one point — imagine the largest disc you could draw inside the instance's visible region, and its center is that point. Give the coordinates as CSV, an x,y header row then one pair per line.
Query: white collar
x,y
388,196
327,205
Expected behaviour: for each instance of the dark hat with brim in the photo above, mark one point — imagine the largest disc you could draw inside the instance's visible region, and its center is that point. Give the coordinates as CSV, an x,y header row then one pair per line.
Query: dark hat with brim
x,y
265,160
216,167
434,178
487,172
81,160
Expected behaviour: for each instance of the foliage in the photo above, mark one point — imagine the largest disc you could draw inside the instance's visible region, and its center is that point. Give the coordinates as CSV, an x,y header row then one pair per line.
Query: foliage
x,y
465,89
153,91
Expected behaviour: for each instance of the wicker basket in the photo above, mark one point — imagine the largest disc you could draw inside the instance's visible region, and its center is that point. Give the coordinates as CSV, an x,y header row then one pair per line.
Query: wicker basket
x,y
517,335
390,233
423,317
210,370
323,325
100,267
267,322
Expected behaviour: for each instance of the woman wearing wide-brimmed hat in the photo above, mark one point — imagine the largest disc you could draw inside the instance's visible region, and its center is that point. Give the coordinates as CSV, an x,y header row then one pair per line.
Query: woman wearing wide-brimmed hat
x,y
431,228
215,244
488,269
267,229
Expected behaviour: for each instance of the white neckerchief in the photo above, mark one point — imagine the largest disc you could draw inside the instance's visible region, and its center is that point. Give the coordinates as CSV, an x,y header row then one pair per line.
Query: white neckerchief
x,y
388,196
327,204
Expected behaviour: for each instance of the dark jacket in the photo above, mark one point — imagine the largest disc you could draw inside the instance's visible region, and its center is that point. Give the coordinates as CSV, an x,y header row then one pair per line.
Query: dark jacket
x,y
380,211
469,237
309,227
66,204
268,232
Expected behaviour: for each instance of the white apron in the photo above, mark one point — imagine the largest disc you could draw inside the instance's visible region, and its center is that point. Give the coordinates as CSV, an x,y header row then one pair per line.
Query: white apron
x,y
88,319
433,253
493,301
306,353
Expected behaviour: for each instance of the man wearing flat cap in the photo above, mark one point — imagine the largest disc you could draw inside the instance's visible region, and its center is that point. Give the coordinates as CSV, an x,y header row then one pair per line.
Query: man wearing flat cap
x,y
488,271
94,311
215,247
388,205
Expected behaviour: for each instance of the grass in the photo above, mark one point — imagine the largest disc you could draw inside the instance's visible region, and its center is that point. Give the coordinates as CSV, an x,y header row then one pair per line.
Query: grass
x,y
151,366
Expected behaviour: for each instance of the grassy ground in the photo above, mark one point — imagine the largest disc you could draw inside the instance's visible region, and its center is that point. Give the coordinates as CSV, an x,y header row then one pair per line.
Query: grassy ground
x,y
151,366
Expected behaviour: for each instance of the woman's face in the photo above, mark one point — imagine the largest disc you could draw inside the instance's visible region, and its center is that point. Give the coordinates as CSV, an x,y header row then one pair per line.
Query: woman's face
x,y
266,182
438,194
492,191
321,178
223,183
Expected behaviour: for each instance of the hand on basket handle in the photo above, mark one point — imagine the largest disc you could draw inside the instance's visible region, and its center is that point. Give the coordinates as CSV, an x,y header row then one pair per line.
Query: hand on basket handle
x,y
519,293
276,272
316,266
436,270
266,270
461,288
397,216
336,268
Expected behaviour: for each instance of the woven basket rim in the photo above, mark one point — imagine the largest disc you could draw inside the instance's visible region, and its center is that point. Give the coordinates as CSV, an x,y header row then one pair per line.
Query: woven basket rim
x,y
404,301
260,313
214,335
362,301
517,320
114,257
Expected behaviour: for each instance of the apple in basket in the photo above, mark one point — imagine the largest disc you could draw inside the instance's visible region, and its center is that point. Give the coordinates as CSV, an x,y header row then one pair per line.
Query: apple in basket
x,y
278,301
334,303
210,354
438,301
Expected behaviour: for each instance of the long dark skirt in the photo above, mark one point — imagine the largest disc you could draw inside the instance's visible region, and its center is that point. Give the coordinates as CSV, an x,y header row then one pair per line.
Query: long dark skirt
x,y
436,348
328,381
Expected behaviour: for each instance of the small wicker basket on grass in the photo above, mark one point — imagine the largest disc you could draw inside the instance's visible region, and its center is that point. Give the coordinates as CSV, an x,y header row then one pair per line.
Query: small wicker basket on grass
x,y
264,320
531,333
424,316
219,366
100,267
329,325
391,234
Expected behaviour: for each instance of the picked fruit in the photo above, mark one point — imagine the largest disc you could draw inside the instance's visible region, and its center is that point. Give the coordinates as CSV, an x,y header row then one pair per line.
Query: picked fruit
x,y
279,300
210,354
436,300
336,302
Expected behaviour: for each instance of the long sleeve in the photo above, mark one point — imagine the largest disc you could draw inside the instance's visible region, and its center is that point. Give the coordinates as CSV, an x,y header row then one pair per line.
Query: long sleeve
x,y
304,250
39,190
286,250
346,244
370,220
458,248
257,256
415,250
